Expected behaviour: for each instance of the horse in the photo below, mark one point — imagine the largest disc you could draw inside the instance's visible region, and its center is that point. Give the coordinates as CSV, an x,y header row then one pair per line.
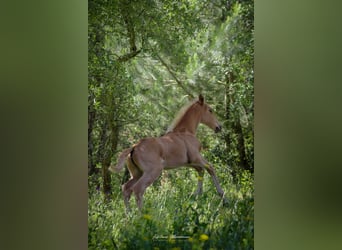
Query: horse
x,y
178,147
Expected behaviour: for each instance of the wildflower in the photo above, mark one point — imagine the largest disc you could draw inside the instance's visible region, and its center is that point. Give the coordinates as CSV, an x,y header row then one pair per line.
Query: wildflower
x,y
147,216
203,237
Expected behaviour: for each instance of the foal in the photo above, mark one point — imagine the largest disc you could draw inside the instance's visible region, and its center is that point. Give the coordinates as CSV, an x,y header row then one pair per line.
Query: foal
x,y
178,147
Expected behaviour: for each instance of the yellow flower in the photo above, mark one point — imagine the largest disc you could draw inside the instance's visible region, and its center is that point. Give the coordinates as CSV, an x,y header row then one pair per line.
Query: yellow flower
x,y
203,237
147,217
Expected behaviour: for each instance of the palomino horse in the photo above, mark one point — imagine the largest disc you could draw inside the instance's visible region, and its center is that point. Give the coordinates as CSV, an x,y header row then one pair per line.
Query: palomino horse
x,y
178,147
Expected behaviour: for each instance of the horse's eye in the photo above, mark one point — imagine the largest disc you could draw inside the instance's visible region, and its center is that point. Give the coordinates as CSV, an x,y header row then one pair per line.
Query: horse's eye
x,y
210,110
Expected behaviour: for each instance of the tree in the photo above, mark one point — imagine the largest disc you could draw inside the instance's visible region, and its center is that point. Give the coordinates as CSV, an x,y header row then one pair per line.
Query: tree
x,y
222,66
147,58
119,31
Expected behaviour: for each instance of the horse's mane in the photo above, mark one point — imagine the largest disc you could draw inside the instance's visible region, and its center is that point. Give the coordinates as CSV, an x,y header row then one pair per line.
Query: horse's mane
x,y
180,115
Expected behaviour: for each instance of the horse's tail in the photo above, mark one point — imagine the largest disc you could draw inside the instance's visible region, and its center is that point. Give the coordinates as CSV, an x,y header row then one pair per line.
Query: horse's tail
x,y
121,161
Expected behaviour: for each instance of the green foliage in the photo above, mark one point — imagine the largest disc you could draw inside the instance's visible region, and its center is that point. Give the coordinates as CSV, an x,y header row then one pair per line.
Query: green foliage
x,y
146,60
173,219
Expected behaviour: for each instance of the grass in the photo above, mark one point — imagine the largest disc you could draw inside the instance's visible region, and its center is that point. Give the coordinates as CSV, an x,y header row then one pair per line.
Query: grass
x,y
172,219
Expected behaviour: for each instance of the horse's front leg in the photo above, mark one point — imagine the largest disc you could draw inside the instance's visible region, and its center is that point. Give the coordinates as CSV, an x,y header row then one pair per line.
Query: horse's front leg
x,y
210,169
199,190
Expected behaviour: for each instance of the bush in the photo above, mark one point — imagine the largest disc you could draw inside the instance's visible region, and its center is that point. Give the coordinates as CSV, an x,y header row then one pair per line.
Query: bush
x,y
172,218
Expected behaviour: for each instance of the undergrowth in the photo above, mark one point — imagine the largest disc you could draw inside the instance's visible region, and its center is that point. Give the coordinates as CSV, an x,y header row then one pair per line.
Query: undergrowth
x,y
172,218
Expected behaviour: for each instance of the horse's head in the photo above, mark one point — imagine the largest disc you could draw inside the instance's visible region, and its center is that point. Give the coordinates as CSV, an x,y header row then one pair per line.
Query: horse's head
x,y
208,118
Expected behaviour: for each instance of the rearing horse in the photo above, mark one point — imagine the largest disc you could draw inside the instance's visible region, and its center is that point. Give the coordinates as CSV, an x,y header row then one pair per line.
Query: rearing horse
x,y
178,147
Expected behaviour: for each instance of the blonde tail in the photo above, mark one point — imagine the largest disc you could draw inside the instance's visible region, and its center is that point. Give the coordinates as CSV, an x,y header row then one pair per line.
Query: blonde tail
x,y
121,161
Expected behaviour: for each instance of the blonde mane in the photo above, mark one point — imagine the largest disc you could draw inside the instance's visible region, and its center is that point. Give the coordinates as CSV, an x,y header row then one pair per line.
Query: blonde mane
x,y
180,115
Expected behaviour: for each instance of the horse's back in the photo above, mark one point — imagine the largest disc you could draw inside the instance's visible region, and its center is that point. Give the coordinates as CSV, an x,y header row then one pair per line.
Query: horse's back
x,y
168,151
147,146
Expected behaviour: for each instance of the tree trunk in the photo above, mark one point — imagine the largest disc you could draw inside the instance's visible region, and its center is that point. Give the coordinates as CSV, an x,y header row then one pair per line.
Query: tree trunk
x,y
237,129
244,164
91,121
104,157
107,187
111,148
228,136
106,152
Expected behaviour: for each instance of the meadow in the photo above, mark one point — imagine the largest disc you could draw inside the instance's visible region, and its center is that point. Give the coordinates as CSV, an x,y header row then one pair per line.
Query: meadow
x,y
172,218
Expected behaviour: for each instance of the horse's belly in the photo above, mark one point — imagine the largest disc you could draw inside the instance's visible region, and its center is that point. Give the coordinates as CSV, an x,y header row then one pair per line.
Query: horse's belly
x,y
174,162
175,152
173,166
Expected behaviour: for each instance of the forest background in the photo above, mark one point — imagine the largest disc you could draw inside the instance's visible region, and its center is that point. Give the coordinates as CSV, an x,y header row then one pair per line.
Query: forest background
x,y
146,59
44,124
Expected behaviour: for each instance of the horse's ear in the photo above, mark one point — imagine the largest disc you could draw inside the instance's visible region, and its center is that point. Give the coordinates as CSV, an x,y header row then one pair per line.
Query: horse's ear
x,y
201,99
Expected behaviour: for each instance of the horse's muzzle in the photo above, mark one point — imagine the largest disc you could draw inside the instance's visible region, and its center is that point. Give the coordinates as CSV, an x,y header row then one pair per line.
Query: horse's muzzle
x,y
218,129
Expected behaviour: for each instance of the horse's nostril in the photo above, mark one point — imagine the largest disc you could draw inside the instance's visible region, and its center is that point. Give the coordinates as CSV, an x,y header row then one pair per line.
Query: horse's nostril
x,y
218,129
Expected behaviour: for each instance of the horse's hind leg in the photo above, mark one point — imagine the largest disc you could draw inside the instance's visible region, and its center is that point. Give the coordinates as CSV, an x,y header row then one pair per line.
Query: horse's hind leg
x,y
127,192
127,187
146,180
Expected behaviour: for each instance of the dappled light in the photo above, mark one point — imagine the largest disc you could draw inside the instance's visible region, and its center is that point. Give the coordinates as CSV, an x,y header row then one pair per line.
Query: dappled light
x,y
146,60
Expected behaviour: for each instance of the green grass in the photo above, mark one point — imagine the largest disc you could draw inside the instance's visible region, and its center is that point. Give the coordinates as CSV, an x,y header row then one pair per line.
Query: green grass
x,y
172,219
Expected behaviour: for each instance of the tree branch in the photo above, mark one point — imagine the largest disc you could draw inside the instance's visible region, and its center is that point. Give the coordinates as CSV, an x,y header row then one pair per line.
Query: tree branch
x,y
130,33
128,56
179,82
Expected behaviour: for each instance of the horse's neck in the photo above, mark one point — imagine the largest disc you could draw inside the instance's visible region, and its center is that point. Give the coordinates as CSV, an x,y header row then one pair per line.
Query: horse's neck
x,y
188,123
